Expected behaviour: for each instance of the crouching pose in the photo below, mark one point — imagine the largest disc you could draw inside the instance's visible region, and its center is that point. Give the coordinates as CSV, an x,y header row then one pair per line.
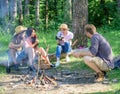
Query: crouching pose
x,y
99,56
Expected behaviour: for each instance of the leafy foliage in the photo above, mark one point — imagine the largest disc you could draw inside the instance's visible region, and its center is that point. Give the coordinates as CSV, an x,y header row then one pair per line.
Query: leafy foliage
x,y
102,12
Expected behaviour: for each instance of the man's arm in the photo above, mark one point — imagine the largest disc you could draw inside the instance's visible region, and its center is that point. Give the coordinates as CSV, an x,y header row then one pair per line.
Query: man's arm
x,y
82,53
14,46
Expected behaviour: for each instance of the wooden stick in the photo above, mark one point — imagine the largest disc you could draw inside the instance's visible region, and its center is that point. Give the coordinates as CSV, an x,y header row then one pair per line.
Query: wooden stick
x,y
74,43
51,80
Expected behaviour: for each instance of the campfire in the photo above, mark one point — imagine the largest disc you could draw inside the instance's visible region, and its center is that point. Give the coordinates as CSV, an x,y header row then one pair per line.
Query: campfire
x,y
40,79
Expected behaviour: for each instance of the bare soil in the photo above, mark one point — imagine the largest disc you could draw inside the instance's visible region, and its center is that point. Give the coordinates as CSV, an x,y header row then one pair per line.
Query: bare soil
x,y
69,82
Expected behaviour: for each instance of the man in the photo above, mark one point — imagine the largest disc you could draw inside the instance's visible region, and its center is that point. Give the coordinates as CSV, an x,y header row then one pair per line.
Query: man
x,y
64,37
99,56
19,44
15,45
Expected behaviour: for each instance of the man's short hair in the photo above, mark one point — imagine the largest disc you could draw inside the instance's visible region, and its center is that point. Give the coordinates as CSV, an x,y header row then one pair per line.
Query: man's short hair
x,y
90,28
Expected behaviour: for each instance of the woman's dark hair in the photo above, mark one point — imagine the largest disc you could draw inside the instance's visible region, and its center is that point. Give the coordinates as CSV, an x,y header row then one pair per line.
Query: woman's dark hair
x,y
29,31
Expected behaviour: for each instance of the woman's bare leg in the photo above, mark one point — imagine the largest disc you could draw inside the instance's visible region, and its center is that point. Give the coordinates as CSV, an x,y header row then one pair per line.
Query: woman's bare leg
x,y
44,55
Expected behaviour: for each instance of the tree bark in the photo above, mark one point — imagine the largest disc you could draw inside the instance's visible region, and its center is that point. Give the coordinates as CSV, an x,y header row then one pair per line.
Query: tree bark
x,y
4,8
80,18
13,9
37,12
4,14
46,14
26,10
68,12
20,14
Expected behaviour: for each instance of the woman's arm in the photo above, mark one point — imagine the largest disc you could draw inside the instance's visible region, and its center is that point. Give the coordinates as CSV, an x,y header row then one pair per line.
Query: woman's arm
x,y
36,43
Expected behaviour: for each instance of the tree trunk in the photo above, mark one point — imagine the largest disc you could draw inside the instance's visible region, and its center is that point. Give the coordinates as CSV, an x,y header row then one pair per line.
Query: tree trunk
x,y
4,8
46,14
13,9
68,12
0,9
20,14
4,13
37,12
26,10
80,18
119,6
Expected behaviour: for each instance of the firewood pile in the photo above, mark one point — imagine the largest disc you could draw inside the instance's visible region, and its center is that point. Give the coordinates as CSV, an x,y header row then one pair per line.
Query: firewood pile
x,y
40,81
32,81
44,81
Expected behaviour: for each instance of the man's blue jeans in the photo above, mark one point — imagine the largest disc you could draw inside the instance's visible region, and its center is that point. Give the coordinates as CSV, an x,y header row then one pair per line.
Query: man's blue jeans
x,y
63,49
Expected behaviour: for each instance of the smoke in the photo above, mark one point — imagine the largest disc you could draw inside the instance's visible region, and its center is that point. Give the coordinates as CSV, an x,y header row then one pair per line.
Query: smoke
x,y
8,10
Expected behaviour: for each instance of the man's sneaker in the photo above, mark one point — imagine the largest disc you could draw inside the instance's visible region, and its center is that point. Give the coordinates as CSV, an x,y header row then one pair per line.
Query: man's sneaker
x,y
67,59
100,77
16,67
52,65
32,68
104,73
8,69
57,64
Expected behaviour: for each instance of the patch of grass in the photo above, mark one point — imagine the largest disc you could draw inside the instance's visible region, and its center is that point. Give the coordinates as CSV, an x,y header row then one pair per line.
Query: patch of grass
x,y
109,92
113,36
114,74
2,90
47,39
2,71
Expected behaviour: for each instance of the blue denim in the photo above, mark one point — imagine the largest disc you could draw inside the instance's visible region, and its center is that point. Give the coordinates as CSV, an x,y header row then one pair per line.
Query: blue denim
x,y
63,49
21,56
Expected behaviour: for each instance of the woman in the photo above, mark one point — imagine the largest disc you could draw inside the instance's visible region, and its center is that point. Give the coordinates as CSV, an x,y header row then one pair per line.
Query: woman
x,y
64,37
33,42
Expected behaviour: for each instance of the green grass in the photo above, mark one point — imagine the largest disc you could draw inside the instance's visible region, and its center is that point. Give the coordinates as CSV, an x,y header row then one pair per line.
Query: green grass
x,y
2,71
112,36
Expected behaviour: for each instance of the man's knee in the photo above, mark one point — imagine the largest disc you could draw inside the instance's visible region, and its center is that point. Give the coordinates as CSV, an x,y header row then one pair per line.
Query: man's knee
x,y
87,59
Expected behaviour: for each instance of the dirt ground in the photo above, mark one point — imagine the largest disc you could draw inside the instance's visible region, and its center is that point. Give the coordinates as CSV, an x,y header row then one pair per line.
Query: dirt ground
x,y
69,82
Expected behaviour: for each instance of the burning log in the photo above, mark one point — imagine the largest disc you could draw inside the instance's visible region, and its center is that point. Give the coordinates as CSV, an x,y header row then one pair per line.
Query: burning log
x,y
42,78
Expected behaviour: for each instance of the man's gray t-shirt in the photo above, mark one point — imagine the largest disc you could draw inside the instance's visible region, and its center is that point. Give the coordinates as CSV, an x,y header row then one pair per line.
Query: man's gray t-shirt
x,y
101,48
